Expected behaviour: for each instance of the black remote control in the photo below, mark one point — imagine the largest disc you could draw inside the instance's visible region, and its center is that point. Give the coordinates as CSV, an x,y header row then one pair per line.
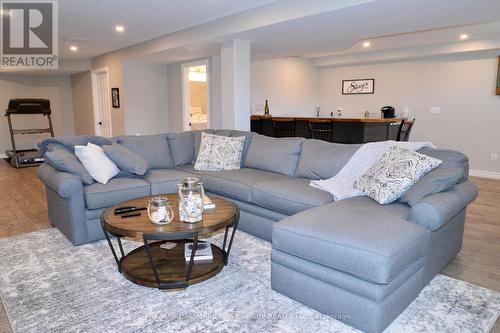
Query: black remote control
x,y
128,209
130,214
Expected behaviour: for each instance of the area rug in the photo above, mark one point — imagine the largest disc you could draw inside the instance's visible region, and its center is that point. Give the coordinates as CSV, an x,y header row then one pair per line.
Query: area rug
x,y
49,285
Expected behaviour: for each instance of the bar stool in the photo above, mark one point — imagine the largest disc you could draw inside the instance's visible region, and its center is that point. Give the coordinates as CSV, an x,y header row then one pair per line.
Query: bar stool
x,y
284,127
321,129
405,130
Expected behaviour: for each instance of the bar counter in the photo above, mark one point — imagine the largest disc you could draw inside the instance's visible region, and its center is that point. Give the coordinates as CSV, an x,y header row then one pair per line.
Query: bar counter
x,y
345,130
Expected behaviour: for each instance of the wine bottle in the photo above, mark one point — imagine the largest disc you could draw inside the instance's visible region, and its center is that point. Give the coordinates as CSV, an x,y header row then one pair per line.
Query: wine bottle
x,y
266,109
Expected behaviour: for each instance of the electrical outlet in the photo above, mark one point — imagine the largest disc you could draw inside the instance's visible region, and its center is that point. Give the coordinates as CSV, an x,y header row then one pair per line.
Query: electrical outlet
x,y
435,110
493,157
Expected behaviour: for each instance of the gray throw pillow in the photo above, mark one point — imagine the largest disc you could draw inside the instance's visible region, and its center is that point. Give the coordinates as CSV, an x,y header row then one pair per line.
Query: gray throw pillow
x,y
197,140
153,148
181,147
394,173
438,180
278,155
125,159
63,160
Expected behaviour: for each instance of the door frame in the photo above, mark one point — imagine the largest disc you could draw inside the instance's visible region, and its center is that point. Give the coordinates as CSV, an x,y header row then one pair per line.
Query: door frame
x,y
185,91
95,100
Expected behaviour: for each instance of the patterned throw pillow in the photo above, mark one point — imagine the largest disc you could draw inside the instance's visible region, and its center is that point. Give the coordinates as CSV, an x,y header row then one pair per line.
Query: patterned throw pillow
x,y
219,152
394,173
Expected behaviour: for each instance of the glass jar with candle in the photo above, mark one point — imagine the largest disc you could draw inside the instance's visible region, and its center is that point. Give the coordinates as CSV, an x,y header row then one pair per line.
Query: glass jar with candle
x,y
190,197
160,211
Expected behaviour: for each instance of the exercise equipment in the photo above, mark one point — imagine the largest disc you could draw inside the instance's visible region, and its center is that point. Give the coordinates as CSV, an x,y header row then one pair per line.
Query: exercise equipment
x,y
27,106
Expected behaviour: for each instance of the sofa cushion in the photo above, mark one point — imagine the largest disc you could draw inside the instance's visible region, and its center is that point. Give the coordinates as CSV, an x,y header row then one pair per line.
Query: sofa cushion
x,y
181,147
248,137
449,158
236,184
438,180
164,181
125,159
197,140
355,236
323,160
289,196
278,155
153,148
115,191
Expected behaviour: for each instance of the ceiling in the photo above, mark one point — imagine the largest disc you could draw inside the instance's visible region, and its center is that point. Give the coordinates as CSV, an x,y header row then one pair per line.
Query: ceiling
x,y
387,24
94,21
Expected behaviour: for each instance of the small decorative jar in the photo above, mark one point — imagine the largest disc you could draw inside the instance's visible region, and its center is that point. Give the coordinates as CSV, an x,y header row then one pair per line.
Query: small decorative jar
x,y
190,197
160,211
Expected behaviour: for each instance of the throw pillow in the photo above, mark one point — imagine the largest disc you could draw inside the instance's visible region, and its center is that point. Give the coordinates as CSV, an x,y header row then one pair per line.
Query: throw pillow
x,y
394,173
63,160
97,164
125,159
219,152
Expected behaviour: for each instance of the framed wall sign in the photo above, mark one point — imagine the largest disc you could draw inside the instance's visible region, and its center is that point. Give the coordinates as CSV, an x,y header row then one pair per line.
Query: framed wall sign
x,y
498,77
115,97
358,86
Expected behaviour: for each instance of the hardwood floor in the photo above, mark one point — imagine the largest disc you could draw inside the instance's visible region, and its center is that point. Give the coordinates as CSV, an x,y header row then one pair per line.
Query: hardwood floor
x,y
24,209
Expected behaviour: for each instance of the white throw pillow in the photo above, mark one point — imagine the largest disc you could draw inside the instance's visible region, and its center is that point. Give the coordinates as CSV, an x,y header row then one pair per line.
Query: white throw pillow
x,y
219,152
97,164
394,173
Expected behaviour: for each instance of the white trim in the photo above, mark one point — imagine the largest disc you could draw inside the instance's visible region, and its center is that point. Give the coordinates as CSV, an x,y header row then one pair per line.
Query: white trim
x,y
484,174
185,91
95,103
3,155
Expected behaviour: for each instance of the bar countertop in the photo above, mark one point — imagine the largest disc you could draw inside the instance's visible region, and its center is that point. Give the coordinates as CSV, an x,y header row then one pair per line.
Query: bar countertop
x,y
346,120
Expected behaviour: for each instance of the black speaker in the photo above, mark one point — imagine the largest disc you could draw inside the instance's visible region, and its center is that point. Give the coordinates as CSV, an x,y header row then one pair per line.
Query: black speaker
x,y
388,111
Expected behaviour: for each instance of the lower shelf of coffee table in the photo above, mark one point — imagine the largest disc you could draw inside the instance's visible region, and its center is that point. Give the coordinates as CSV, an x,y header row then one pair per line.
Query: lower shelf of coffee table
x,y
171,265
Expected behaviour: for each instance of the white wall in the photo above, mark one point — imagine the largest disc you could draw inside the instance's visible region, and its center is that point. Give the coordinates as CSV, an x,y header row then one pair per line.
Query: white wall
x,y
463,89
290,85
57,88
144,98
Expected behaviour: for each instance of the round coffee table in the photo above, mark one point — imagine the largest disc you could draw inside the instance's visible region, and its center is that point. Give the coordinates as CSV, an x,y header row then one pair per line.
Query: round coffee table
x,y
159,267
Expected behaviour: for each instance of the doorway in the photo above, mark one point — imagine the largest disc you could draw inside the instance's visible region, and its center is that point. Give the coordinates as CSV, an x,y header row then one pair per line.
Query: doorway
x,y
101,102
195,94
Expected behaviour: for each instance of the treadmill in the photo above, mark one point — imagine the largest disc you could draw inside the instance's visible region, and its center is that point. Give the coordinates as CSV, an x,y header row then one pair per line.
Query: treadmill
x,y
27,106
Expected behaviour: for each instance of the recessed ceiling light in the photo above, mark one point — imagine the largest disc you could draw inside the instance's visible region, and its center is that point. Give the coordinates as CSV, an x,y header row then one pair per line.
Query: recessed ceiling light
x,y
119,28
464,36
367,44
73,48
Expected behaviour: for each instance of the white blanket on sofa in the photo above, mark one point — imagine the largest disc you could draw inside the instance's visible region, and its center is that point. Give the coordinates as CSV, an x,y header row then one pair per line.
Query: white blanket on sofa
x,y
341,186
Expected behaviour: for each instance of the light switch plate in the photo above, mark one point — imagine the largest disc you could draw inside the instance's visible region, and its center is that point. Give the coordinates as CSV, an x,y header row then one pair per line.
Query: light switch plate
x,y
435,110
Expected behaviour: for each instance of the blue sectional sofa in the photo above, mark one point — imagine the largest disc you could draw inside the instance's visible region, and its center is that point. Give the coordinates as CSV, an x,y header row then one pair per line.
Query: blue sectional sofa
x,y
353,259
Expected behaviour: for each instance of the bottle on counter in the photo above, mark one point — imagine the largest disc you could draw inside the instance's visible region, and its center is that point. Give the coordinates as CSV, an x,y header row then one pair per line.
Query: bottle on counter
x,y
266,109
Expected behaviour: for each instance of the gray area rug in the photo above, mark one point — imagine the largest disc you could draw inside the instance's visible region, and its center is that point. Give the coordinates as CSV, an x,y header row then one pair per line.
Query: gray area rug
x,y
48,285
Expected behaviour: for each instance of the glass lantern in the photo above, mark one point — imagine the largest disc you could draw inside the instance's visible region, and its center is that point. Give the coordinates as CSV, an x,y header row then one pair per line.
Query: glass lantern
x,y
190,196
160,211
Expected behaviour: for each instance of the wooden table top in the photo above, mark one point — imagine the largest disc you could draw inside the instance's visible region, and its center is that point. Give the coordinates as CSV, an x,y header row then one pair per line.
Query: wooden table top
x,y
224,214
339,120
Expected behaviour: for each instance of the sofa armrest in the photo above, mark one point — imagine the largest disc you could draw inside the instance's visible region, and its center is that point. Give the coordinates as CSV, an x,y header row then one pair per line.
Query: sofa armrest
x,y
436,209
63,183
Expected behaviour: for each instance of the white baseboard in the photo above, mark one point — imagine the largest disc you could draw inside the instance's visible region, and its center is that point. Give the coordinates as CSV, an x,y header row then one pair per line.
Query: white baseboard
x,y
3,155
484,174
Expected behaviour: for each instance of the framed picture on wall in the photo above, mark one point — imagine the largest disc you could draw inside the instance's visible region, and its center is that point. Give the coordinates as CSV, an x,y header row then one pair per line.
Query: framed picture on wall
x,y
498,76
358,86
115,97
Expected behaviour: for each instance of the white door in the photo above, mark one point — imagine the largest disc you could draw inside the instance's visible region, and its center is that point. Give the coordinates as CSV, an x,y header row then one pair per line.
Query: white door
x,y
101,102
